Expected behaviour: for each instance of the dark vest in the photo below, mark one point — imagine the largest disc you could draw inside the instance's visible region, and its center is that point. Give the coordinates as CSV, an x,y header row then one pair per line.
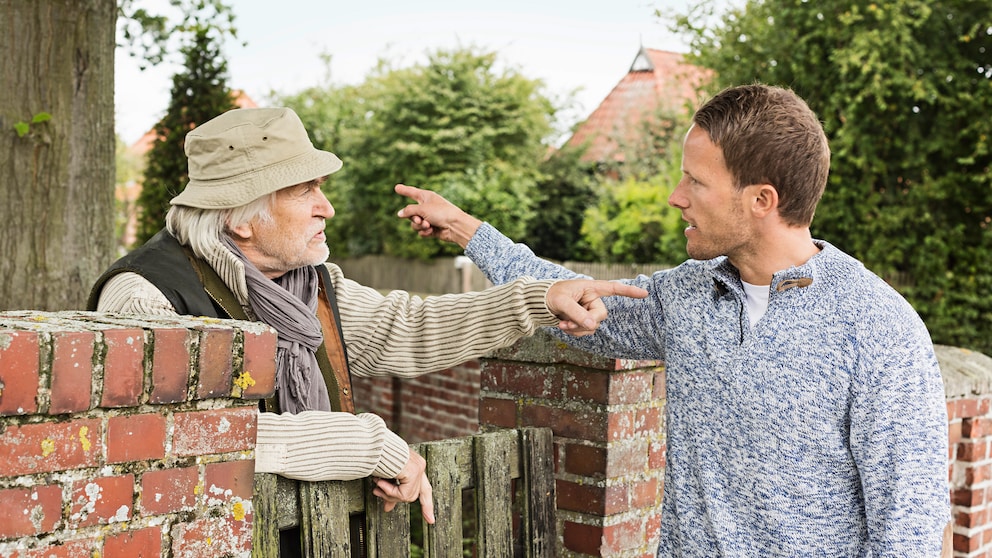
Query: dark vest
x,y
195,289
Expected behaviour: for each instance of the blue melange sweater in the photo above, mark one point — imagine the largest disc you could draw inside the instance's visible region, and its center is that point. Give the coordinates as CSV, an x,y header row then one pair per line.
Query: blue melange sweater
x,y
822,431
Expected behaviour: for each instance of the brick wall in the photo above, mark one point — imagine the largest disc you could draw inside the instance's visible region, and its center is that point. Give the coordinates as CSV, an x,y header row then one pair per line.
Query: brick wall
x,y
435,406
126,437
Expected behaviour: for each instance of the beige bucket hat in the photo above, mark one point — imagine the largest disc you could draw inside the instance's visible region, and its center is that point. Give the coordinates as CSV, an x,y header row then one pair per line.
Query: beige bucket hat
x,y
244,154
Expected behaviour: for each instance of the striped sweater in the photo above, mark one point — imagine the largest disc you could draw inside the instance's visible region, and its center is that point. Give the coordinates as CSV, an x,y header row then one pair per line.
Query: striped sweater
x,y
821,431
396,334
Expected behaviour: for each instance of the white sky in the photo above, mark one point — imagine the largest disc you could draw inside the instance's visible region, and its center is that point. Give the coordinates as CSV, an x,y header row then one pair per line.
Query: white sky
x,y
584,45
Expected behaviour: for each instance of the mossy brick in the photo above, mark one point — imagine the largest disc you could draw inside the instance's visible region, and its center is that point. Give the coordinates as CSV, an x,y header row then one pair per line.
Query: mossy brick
x,y
228,479
214,431
498,412
259,364
138,543
19,362
216,358
211,536
594,498
136,437
100,501
123,367
51,446
522,379
30,511
585,424
170,365
69,549
169,490
624,536
589,386
585,460
72,371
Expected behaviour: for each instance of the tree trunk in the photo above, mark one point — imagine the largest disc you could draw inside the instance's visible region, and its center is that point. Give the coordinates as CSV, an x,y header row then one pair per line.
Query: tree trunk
x,y
57,179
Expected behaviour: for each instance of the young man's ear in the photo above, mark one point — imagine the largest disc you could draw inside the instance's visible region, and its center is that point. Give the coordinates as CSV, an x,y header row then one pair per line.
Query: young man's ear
x,y
764,199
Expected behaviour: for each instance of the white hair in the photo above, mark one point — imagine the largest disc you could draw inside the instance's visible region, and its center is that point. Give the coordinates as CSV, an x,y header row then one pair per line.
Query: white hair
x,y
201,228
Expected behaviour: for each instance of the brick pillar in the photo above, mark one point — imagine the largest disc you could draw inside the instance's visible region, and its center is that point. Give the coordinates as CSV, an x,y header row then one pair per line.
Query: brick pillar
x,y
128,437
968,387
607,416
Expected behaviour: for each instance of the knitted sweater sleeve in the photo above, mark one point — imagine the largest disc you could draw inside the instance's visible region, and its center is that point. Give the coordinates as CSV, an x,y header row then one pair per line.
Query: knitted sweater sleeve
x,y
399,334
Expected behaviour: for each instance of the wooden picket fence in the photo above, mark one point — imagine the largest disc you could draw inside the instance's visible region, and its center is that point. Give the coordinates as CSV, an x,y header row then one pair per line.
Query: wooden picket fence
x,y
510,471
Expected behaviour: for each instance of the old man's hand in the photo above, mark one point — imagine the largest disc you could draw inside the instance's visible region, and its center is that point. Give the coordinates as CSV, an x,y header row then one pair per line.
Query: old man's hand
x,y
411,484
579,305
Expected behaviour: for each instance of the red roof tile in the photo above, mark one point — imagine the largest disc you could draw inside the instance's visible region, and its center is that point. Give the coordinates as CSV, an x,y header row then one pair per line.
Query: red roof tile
x,y
657,79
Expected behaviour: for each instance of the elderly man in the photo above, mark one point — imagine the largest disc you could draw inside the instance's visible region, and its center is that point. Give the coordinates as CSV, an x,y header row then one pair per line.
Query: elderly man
x,y
805,410
245,240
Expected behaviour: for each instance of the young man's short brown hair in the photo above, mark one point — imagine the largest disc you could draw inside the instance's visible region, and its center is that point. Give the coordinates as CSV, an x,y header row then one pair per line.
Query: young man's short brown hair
x,y
769,135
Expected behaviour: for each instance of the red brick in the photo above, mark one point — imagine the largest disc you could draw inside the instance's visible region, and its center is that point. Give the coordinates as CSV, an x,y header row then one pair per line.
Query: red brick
x,y
211,536
260,364
46,447
170,365
216,358
623,425
19,361
29,511
135,438
645,493
623,536
973,451
525,380
658,392
656,455
72,371
967,497
586,424
966,544
587,461
222,481
216,431
498,412
143,543
971,519
68,549
954,435
627,458
591,499
584,539
123,368
976,427
589,386
977,474
102,500
630,388
169,490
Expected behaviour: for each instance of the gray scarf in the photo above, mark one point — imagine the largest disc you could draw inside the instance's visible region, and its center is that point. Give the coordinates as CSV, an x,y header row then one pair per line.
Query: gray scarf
x,y
289,304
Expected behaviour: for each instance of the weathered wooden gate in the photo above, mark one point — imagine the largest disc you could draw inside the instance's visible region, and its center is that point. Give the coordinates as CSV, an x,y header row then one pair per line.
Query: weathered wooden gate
x,y
510,471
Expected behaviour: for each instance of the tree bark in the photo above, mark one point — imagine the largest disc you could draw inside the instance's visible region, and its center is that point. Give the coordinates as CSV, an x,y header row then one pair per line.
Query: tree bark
x,y
56,180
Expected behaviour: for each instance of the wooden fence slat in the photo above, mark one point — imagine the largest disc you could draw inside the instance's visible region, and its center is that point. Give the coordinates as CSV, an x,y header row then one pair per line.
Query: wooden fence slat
x,y
540,521
265,520
324,521
494,494
446,460
388,533
487,463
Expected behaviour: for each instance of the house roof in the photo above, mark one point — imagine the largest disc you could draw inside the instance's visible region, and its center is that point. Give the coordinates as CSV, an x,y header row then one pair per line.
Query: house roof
x,y
144,143
657,80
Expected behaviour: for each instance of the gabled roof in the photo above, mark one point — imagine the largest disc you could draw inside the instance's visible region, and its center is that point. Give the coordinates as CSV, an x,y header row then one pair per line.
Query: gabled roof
x,y
657,80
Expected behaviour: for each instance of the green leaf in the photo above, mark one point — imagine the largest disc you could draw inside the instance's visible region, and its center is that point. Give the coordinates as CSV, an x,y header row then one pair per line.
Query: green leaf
x,y
41,117
21,128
